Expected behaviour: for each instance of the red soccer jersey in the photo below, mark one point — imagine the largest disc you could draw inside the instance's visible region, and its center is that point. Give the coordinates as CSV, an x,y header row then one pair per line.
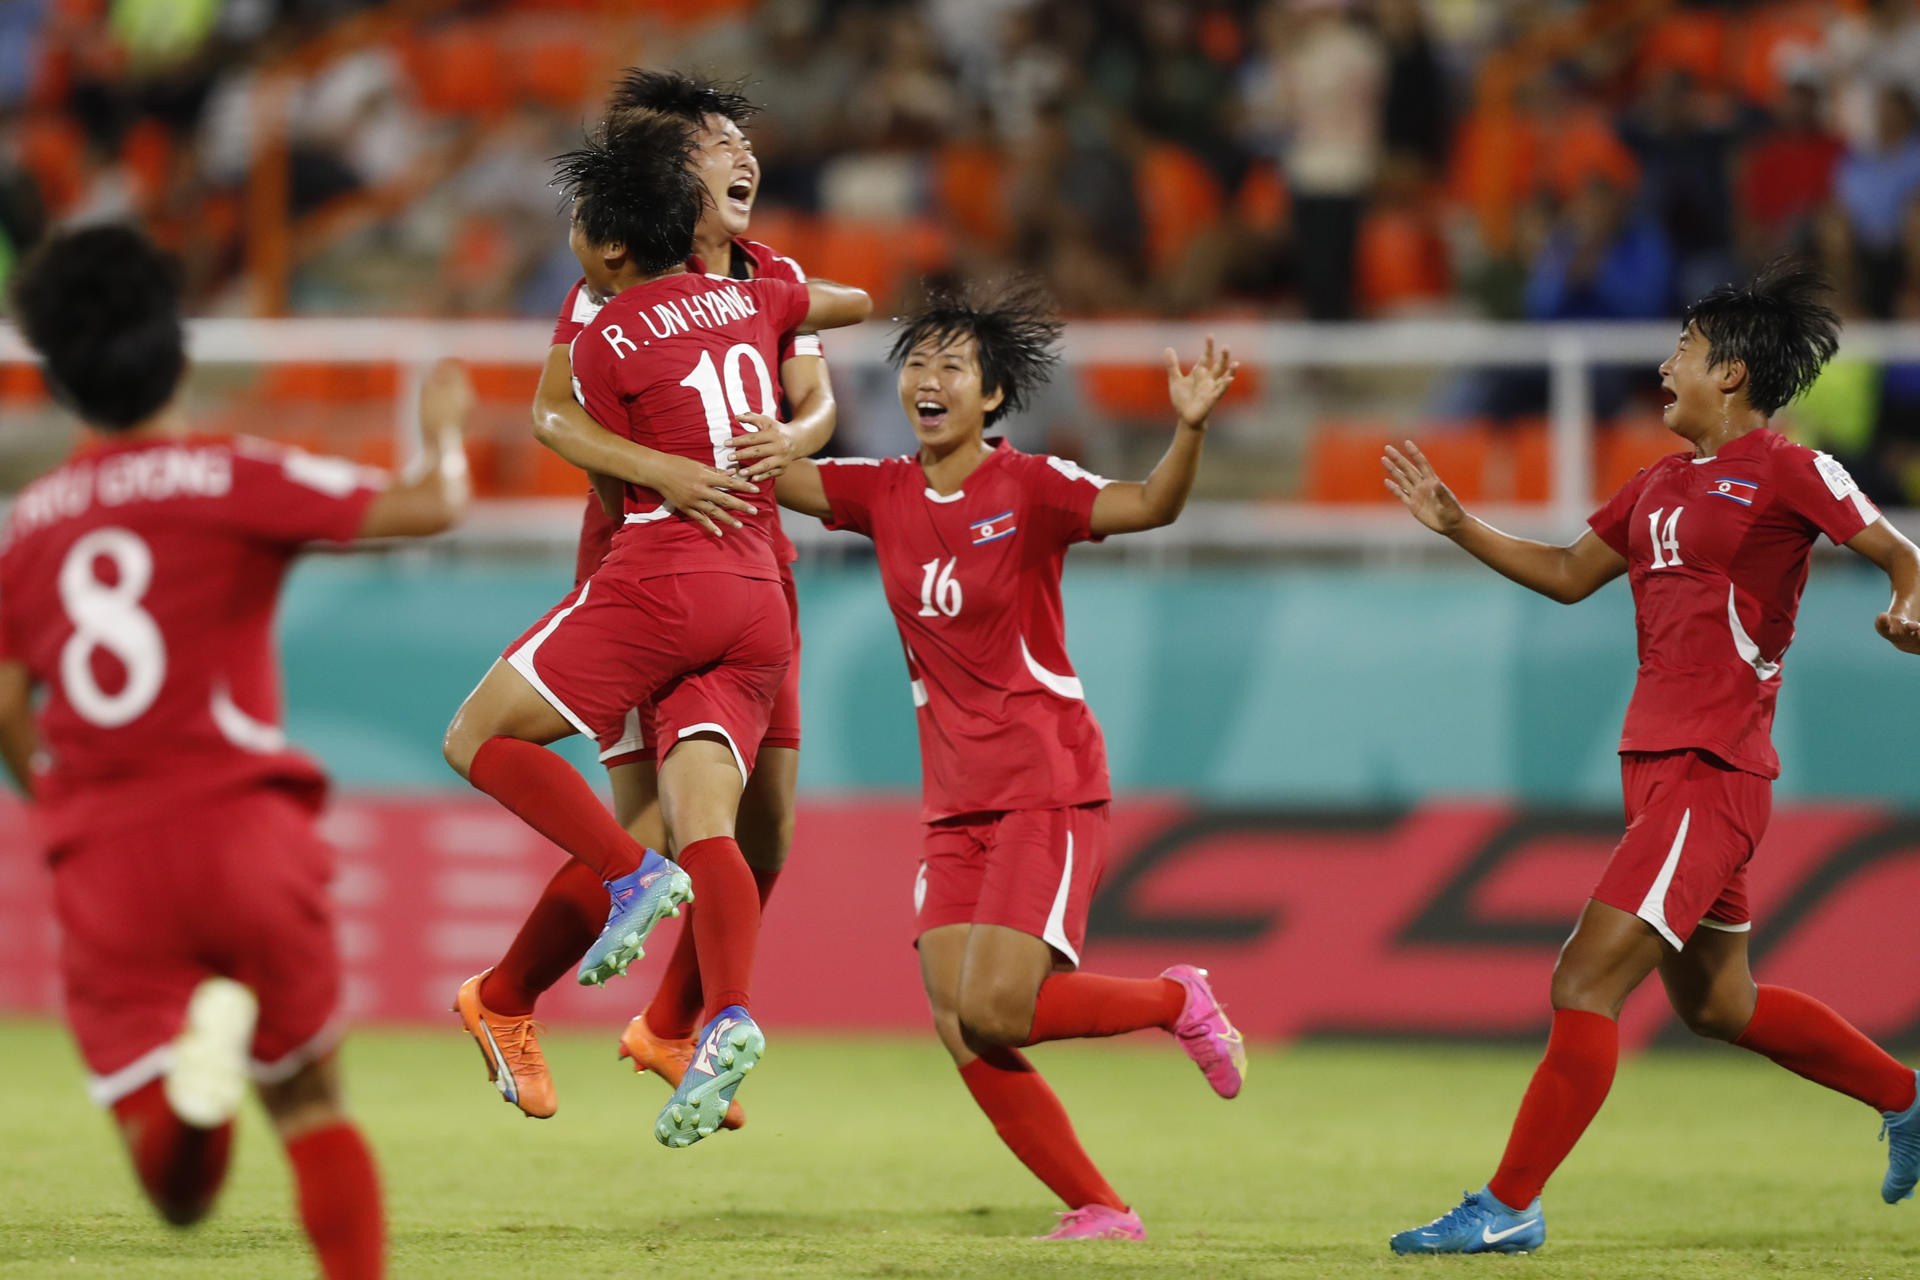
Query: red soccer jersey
x,y
974,583
752,260
138,583
1717,553
669,364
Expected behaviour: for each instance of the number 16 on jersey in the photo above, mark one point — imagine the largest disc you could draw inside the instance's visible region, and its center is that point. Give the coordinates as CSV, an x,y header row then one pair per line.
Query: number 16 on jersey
x,y
939,589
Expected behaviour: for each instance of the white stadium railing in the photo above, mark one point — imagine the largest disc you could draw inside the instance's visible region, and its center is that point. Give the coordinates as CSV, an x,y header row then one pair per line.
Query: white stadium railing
x,y
1567,352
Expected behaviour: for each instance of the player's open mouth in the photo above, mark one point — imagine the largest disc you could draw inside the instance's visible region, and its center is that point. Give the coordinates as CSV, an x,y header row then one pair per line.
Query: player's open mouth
x,y
740,195
931,413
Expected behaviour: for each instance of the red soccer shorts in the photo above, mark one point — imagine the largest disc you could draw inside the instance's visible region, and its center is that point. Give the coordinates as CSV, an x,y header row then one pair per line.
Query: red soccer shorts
x,y
708,651
1692,824
1034,870
235,885
634,743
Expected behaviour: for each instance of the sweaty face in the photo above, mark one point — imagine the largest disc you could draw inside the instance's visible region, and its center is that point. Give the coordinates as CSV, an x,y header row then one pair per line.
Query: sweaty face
x,y
940,390
1697,402
725,161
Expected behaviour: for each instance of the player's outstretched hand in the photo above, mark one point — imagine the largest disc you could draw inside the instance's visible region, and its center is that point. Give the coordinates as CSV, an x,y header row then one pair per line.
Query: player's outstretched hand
x,y
446,397
1902,633
1411,478
767,451
705,495
1195,392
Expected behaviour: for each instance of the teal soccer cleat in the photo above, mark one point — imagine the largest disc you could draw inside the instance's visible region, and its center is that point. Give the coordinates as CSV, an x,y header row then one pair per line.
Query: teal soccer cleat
x,y
1481,1224
1901,1130
641,900
728,1048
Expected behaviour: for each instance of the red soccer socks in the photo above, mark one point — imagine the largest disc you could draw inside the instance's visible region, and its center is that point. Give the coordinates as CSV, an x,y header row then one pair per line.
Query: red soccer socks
x,y
556,933
1073,1006
180,1166
726,925
1811,1040
674,1012
339,1192
549,795
1033,1124
1565,1094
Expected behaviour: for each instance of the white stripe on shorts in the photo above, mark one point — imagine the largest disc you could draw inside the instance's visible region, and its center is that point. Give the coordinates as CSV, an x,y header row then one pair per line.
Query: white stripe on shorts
x,y
1653,908
1055,932
521,660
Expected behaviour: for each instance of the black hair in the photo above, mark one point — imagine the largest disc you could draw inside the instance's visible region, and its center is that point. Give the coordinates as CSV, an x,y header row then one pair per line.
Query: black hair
x,y
632,185
101,305
1780,325
1013,325
685,95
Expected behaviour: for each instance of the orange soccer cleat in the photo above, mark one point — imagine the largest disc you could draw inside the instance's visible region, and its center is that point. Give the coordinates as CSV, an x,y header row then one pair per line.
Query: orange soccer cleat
x,y
510,1047
667,1059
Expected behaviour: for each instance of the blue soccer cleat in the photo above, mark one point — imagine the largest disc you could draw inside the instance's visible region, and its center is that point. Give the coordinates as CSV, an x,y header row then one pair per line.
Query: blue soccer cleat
x,y
1481,1224
640,901
728,1048
1901,1132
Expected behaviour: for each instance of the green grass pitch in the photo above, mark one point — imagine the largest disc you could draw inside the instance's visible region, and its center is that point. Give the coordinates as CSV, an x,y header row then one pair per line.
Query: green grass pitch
x,y
864,1157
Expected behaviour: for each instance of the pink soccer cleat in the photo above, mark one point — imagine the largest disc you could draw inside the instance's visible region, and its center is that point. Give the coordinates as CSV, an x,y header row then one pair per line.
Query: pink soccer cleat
x,y
1097,1222
1204,1032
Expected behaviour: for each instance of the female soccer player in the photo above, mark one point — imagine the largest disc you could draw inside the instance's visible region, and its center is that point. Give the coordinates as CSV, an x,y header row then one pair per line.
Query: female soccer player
x,y
1715,542
139,582
497,1005
695,631
970,535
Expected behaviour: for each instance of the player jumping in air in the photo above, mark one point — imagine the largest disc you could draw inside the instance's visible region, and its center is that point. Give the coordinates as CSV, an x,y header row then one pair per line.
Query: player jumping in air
x,y
1715,543
971,536
696,631
497,1006
139,581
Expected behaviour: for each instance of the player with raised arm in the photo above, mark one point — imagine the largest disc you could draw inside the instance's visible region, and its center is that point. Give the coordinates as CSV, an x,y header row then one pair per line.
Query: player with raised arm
x,y
1715,542
138,582
971,536
696,631
497,1005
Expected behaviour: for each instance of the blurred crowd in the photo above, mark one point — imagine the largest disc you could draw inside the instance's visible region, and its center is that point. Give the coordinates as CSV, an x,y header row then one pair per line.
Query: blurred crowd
x,y
1332,159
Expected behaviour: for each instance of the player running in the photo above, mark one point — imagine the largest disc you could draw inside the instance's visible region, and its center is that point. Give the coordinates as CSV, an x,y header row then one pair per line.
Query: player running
x,y
970,536
1715,543
497,1005
694,630
139,581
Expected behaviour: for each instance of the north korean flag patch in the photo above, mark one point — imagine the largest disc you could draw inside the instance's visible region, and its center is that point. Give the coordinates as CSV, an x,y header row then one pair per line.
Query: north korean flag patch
x,y
993,528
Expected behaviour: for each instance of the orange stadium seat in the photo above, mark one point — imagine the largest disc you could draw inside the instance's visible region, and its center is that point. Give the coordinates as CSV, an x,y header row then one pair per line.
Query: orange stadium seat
x,y
1529,449
1692,41
1263,202
1623,448
1137,392
1766,43
21,384
53,150
548,475
558,71
459,69
512,384
1343,460
1399,259
968,188
1179,199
